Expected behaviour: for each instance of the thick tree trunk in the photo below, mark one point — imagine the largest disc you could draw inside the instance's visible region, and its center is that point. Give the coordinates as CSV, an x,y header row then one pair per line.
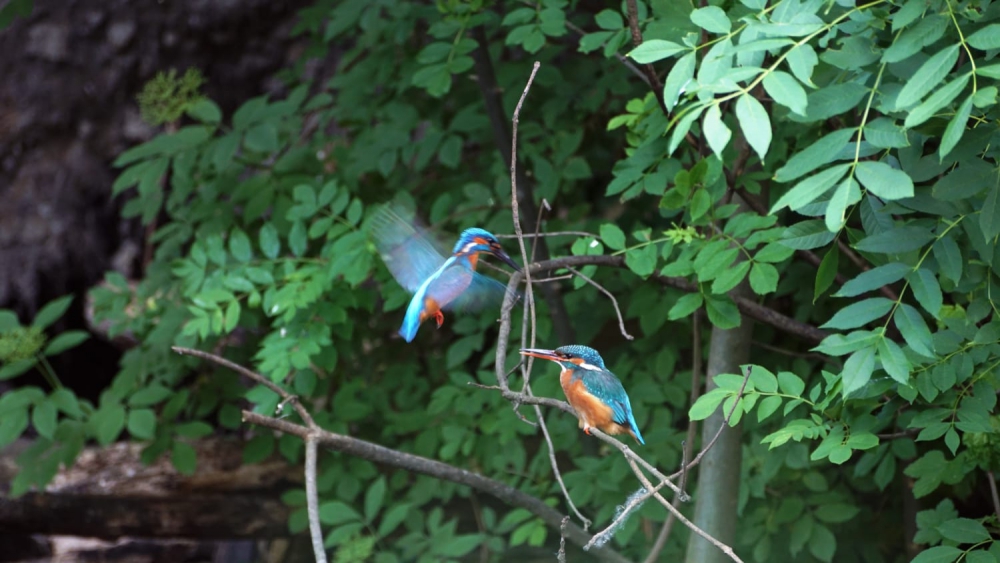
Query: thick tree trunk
x,y
719,472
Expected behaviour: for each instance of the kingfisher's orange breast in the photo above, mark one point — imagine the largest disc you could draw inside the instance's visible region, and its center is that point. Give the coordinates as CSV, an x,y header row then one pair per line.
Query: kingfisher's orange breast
x,y
591,410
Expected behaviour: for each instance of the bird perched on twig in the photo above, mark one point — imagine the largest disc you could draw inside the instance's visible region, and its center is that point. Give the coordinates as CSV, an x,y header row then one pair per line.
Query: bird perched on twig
x,y
593,391
436,282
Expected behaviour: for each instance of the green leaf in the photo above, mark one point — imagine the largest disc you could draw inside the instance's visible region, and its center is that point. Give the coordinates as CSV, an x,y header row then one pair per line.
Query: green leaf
x,y
730,277
860,313
13,369
826,273
940,98
270,244
767,407
883,180
763,278
786,91
858,370
989,215
373,499
712,19
262,138
836,513
754,122
336,512
51,312
679,76
914,330
65,400
939,554
980,556
43,418
900,239
142,423
65,341
612,236
802,60
822,543
927,291
642,260
949,258
806,235
652,50
873,279
894,361
609,19
722,312
684,306
926,77
205,111
239,245
847,192
184,458
461,545
964,530
790,384
232,316
108,423
12,424
716,132
811,188
707,403
298,238
392,519
986,38
148,396
953,132
816,155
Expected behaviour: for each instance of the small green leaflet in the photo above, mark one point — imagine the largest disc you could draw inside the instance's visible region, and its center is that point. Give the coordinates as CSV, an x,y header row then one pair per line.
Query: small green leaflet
x,y
755,123
900,239
858,370
681,73
712,19
859,314
986,38
821,152
786,91
653,50
810,189
715,130
914,330
883,180
953,133
873,279
929,75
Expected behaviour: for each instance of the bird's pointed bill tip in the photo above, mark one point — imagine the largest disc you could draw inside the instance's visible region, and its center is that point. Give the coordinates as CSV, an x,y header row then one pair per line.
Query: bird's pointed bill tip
x,y
539,353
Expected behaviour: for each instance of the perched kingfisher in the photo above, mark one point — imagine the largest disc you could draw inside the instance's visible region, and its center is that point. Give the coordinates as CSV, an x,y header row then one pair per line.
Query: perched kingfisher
x,y
596,394
436,282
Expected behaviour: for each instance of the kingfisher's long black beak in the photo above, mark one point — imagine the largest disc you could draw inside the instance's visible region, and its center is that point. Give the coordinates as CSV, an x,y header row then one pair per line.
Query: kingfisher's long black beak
x,y
539,353
500,254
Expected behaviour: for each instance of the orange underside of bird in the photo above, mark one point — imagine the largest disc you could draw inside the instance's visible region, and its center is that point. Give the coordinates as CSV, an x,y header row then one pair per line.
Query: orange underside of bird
x,y
592,411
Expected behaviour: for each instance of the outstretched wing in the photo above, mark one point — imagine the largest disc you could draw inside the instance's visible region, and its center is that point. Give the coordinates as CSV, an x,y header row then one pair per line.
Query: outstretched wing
x,y
405,248
459,288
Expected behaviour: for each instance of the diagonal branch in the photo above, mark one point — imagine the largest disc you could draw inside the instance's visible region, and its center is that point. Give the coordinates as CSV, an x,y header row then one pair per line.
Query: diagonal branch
x,y
381,454
652,79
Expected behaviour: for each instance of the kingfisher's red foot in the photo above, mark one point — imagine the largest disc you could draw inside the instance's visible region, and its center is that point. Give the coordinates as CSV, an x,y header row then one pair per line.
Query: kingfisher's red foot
x,y
439,318
586,430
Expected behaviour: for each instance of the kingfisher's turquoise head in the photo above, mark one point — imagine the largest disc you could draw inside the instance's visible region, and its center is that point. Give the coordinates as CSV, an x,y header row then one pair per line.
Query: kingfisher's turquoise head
x,y
475,240
571,357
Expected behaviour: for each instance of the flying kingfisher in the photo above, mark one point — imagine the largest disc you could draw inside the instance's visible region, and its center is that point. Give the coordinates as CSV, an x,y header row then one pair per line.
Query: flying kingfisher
x,y
436,282
596,394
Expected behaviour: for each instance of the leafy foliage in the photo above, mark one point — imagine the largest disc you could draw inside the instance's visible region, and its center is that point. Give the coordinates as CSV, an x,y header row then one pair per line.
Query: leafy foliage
x,y
860,134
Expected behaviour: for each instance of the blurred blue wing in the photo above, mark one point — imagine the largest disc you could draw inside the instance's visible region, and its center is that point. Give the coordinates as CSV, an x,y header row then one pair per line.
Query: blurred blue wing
x,y
407,251
479,292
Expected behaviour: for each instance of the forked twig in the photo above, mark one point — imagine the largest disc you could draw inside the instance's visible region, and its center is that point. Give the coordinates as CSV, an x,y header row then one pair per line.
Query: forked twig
x,y
602,289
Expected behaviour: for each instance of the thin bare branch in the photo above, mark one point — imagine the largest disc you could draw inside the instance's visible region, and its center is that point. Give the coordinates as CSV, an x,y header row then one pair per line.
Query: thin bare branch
x,y
602,289
561,554
552,234
433,468
652,79
555,469
993,493
312,500
677,513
